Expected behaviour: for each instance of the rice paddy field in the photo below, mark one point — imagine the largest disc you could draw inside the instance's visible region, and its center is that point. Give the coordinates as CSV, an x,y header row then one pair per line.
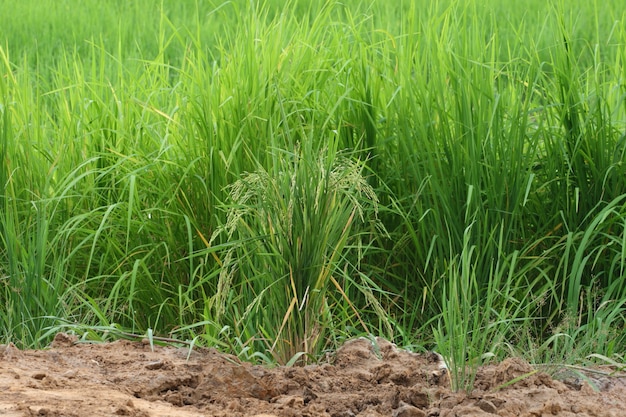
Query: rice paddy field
x,y
274,178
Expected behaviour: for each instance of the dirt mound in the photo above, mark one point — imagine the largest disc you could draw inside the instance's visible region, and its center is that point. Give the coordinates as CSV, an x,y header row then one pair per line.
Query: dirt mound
x,y
364,378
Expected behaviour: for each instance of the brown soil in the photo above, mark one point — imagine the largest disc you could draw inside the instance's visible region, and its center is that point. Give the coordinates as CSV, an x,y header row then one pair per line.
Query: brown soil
x,y
362,379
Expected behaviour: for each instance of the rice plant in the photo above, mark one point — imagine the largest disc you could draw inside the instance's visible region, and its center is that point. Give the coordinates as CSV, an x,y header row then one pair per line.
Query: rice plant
x,y
448,175
291,232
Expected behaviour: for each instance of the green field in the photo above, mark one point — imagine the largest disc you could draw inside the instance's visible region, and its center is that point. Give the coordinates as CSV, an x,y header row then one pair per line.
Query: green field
x,y
272,178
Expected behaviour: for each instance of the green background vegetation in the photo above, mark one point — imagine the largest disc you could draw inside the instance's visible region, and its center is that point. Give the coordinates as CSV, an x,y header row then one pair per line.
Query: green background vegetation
x,y
272,179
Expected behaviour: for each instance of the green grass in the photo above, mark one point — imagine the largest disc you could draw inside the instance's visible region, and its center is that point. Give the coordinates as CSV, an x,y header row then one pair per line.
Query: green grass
x,y
273,179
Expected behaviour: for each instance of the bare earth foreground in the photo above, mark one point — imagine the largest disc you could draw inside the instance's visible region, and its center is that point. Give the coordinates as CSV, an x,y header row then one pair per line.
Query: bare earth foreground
x,y
362,379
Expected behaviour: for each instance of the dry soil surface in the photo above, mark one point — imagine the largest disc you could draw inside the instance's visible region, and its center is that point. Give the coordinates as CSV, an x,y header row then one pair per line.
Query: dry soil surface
x,y
363,378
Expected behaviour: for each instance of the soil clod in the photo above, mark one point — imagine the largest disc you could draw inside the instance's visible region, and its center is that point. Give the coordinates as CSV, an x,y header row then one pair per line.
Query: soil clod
x,y
366,378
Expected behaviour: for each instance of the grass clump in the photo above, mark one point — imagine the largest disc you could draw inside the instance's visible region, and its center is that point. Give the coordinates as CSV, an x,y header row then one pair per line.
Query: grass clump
x,y
293,234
